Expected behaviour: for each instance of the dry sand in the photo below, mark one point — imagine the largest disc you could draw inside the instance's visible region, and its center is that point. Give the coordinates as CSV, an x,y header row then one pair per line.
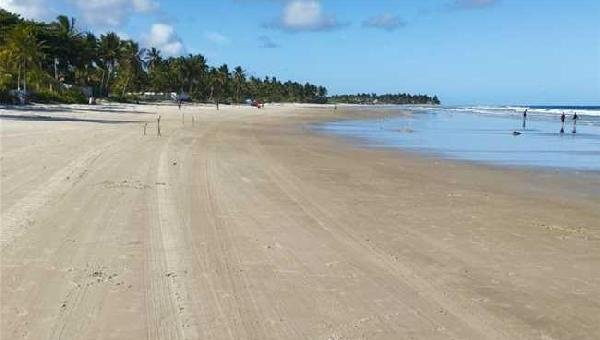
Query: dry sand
x,y
249,225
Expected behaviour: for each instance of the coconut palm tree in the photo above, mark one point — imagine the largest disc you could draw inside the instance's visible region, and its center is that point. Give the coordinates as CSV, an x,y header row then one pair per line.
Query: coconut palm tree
x,y
85,61
239,77
109,52
195,69
222,80
130,63
8,21
157,69
109,63
64,36
178,73
23,52
152,58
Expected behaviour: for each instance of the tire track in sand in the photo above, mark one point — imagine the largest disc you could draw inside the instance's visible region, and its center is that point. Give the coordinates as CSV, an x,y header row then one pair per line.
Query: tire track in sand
x,y
477,320
168,311
230,288
20,215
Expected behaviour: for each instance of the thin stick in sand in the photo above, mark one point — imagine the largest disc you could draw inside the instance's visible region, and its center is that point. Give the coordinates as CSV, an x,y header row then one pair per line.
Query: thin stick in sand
x,y
158,127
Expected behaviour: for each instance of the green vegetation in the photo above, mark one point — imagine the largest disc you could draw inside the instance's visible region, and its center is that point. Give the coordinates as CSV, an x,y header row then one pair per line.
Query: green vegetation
x,y
52,60
401,98
55,62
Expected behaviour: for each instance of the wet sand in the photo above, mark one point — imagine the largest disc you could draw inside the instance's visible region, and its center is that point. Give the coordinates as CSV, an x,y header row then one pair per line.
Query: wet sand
x,y
251,225
488,139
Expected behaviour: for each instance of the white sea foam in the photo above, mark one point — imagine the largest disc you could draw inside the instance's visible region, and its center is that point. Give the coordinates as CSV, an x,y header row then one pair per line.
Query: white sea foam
x,y
518,110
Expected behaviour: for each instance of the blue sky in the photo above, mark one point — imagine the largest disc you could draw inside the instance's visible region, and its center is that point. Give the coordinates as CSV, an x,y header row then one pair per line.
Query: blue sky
x,y
465,51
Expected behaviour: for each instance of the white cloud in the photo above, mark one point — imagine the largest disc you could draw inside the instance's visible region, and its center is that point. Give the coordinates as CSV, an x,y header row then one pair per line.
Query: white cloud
x,y
98,13
111,13
387,21
163,37
145,5
123,35
217,38
30,9
304,15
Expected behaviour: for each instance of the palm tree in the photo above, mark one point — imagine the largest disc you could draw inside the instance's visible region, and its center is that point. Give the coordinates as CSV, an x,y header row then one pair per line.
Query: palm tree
x,y
212,76
152,58
8,21
157,69
239,77
109,52
322,91
177,70
85,62
23,52
254,87
222,81
130,62
108,63
65,35
195,67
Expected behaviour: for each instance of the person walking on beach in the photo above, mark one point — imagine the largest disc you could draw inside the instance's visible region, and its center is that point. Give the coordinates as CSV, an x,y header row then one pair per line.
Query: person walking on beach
x,y
575,118
525,118
562,122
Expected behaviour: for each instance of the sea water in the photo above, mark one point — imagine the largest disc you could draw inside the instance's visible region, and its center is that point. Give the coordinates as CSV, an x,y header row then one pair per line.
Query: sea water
x,y
492,135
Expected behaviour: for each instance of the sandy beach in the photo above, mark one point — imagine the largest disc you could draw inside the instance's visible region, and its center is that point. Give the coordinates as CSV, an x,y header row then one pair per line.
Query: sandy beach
x,y
249,224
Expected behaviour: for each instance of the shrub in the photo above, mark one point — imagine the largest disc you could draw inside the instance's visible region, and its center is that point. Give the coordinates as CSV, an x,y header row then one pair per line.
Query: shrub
x,y
5,97
74,96
71,96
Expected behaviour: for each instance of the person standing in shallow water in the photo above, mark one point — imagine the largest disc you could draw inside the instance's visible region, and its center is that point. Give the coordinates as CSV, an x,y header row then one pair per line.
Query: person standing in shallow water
x,y
525,118
575,118
562,122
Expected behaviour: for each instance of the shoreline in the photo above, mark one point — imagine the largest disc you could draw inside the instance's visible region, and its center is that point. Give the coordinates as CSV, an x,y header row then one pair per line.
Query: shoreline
x,y
361,142
250,224
585,182
449,135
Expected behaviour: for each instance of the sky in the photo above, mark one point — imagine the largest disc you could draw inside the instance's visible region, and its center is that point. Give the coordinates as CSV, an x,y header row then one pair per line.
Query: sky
x,y
467,52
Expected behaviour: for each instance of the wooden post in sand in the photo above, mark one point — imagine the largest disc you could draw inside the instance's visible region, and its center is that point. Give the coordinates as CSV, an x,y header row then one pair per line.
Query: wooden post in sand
x,y
145,126
158,127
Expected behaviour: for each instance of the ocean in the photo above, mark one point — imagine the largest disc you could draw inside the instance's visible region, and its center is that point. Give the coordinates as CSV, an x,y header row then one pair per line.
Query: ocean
x,y
486,134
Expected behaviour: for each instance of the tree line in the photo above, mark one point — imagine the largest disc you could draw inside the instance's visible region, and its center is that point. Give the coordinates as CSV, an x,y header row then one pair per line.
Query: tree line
x,y
41,57
54,60
372,98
